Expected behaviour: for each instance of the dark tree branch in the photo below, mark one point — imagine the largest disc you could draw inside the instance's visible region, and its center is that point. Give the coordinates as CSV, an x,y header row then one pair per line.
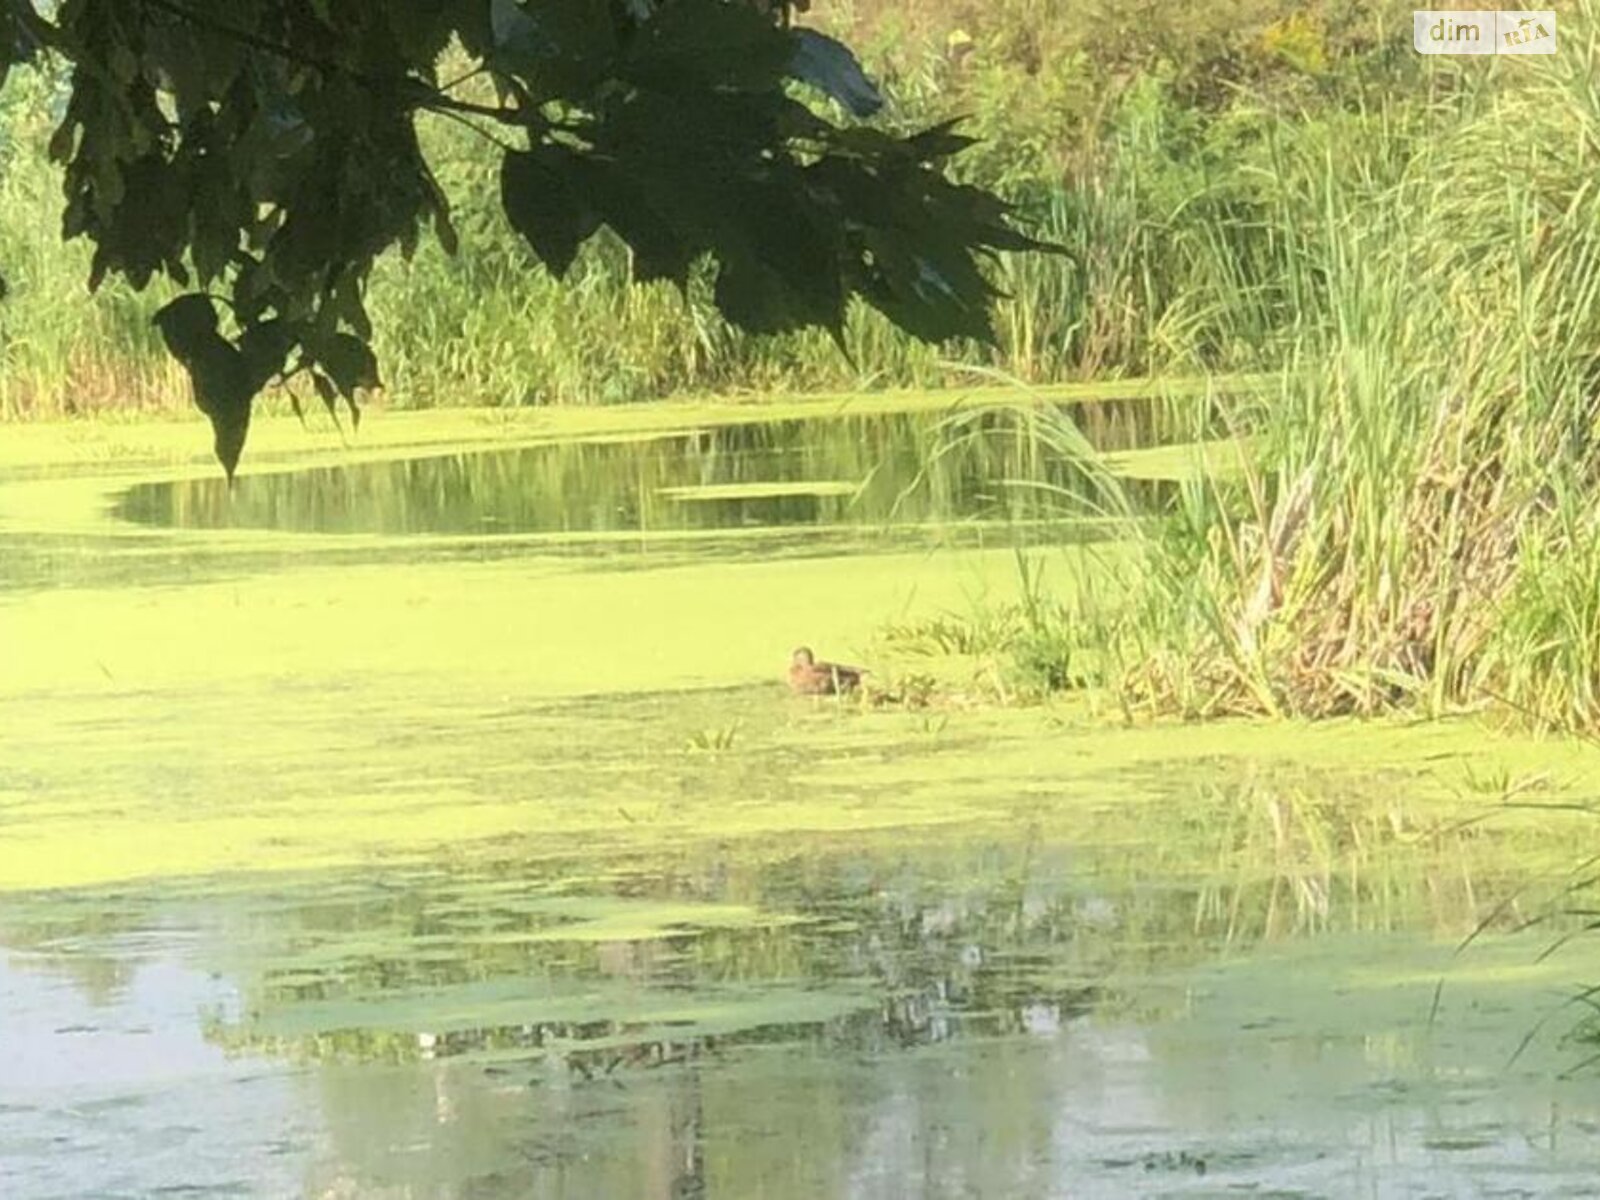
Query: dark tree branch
x,y
463,78
416,92
486,134
41,31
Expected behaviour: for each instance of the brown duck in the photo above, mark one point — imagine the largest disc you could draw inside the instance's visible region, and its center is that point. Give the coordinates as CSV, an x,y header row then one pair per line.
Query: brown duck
x,y
808,677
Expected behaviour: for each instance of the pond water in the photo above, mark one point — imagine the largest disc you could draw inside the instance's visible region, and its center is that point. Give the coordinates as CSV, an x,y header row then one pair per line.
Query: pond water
x,y
883,469
394,875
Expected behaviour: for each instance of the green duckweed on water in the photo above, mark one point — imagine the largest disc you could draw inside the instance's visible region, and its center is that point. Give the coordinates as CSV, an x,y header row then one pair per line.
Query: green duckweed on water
x,y
359,864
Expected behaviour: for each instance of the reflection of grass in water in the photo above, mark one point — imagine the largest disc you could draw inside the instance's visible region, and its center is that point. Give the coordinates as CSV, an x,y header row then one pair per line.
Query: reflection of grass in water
x,y
583,953
1558,904
279,441
1291,859
838,466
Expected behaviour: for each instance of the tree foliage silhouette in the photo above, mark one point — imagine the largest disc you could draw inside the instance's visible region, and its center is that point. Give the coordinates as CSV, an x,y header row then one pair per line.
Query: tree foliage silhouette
x,y
263,153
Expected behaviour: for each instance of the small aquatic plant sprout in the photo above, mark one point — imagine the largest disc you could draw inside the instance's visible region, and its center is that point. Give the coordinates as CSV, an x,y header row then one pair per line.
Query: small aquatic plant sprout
x,y
713,740
808,677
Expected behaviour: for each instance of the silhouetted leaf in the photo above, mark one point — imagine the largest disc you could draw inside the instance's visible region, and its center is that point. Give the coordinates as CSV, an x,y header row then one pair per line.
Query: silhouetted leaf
x,y
512,27
625,202
445,232
59,149
830,66
939,141
230,426
694,45
780,269
186,323
975,216
10,42
932,293
439,203
327,391
553,47
348,362
265,347
544,208
221,379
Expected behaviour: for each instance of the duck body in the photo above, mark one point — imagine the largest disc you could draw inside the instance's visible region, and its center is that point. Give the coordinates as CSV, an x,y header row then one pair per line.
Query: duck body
x,y
808,677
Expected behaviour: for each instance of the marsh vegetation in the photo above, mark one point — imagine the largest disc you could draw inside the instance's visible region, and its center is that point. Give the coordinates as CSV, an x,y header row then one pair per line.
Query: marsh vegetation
x,y
1406,244
429,804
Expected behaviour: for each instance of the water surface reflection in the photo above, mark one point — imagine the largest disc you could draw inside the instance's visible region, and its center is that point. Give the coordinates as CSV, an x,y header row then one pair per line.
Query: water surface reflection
x,y
884,469
1011,1018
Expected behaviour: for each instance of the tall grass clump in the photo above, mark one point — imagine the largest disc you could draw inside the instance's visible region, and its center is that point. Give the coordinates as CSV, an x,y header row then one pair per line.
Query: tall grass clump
x,y
60,349
1420,526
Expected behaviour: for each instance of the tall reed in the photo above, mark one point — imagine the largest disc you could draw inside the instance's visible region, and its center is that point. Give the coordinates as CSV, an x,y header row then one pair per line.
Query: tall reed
x,y
1419,529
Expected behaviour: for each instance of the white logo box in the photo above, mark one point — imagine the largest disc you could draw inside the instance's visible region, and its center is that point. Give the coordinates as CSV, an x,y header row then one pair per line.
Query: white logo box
x,y
1483,31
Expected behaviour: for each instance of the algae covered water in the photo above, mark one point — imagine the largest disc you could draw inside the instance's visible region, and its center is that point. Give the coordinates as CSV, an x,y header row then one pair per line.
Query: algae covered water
x,y
370,870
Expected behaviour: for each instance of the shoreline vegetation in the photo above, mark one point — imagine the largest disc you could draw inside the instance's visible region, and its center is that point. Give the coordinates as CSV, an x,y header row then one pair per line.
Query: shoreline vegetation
x,y
1407,246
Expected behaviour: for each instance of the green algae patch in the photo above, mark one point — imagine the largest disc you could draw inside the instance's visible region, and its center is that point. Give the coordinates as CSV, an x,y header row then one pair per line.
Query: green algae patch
x,y
363,769
527,627
609,920
299,713
364,716
713,492
317,716
510,1002
1220,459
